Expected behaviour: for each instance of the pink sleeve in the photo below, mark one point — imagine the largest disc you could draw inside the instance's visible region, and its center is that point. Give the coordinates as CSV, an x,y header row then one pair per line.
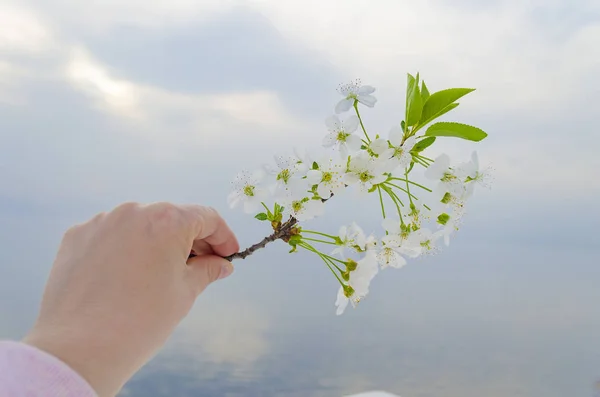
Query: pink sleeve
x,y
29,372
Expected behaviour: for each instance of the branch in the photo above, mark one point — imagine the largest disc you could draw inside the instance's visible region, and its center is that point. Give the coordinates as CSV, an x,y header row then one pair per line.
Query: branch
x,y
282,233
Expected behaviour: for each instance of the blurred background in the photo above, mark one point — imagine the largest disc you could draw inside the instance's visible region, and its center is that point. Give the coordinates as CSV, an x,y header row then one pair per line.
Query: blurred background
x,y
109,101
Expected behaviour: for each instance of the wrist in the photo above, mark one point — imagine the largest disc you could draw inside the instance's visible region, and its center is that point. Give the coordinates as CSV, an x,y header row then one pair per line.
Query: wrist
x,y
89,357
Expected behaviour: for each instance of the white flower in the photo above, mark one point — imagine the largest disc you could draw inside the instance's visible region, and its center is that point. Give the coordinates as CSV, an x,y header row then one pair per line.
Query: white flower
x,y
473,175
390,255
364,242
351,237
247,191
379,146
355,92
365,171
306,209
358,283
288,174
398,238
399,153
329,178
425,239
346,235
450,188
449,228
341,134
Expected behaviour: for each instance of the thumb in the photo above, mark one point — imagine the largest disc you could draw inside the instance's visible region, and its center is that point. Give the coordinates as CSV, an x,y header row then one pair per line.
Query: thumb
x,y
205,269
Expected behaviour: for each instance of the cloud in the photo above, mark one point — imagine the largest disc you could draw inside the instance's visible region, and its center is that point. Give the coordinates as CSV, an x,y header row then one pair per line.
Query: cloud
x,y
237,335
22,31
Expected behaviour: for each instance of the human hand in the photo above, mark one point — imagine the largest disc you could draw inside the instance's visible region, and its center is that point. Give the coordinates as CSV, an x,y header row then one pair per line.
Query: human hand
x,y
121,283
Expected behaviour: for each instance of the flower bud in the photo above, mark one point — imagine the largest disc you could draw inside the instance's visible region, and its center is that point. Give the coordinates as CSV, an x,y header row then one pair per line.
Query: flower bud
x,y
351,265
346,275
447,197
348,291
443,218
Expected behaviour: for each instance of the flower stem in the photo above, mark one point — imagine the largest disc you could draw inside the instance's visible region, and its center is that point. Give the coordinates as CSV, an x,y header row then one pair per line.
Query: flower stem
x,y
412,183
312,249
318,241
395,199
361,122
408,188
319,233
402,189
381,201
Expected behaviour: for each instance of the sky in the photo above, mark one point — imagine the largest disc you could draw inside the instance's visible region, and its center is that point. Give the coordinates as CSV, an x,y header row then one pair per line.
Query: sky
x,y
154,100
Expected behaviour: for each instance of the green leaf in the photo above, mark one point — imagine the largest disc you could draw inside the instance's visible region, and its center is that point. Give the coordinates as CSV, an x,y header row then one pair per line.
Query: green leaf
x,y
414,104
261,217
457,130
412,164
403,125
315,166
437,103
423,144
424,92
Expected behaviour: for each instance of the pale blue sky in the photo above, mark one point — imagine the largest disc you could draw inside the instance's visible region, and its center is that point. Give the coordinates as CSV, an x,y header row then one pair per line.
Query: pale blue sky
x,y
167,100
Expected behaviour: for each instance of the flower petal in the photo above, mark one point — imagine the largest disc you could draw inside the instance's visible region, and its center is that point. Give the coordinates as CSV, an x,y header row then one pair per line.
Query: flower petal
x,y
341,302
233,199
353,142
367,100
409,143
351,124
366,90
379,146
250,206
377,179
395,136
351,179
344,105
333,123
314,176
323,190
330,139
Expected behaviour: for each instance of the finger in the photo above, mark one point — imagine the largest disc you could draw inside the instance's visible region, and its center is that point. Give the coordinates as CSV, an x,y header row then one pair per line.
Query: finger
x,y
206,269
210,227
201,247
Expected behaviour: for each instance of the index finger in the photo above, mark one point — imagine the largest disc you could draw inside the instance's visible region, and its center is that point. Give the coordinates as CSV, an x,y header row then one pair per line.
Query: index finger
x,y
210,227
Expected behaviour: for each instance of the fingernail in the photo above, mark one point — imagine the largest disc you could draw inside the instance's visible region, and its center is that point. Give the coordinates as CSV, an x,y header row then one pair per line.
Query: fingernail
x,y
226,269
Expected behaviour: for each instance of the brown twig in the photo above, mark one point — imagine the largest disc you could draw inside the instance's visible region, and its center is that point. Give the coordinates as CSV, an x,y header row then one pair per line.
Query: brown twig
x,y
281,233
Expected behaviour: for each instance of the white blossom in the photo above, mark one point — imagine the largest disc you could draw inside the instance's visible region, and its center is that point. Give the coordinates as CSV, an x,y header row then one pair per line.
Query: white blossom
x,y
425,239
288,174
306,209
473,175
379,147
398,239
450,189
399,154
355,91
341,135
365,171
246,190
351,237
329,178
358,284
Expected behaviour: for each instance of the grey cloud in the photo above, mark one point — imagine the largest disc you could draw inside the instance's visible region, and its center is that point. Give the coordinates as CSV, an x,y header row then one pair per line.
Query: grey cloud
x,y
235,51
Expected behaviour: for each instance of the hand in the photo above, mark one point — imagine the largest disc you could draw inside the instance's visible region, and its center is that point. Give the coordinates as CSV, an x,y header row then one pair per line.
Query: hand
x,y
122,282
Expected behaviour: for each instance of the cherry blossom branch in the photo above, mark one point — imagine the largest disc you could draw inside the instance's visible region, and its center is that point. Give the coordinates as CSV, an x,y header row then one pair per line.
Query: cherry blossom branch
x,y
283,232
